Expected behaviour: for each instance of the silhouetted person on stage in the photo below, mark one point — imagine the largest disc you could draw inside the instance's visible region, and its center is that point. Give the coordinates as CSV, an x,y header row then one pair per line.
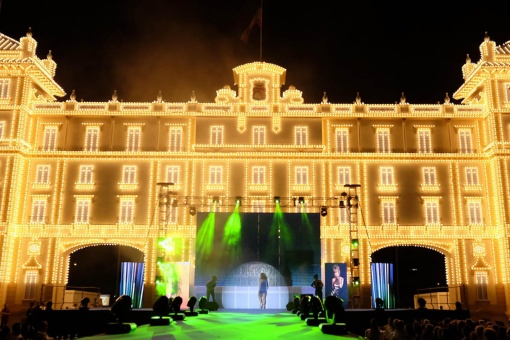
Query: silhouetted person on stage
x,y
211,285
317,284
263,286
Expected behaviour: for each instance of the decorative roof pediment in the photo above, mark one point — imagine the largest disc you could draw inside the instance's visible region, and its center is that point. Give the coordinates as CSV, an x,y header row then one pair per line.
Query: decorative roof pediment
x,y
7,43
259,82
503,49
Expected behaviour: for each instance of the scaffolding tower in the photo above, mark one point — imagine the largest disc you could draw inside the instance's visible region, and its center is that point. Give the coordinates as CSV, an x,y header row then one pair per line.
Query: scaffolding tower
x,y
350,201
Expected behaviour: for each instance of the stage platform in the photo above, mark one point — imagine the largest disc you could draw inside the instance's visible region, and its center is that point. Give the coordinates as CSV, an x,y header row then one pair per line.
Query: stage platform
x,y
227,323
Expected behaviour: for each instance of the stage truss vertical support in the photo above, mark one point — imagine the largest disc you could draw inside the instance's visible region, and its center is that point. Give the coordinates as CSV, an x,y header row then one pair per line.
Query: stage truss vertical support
x,y
350,200
165,205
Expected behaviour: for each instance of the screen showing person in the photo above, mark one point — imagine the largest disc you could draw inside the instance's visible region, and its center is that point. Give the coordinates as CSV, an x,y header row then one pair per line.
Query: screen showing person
x,y
336,281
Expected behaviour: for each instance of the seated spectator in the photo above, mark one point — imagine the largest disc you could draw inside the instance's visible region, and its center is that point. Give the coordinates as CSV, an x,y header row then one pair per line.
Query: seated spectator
x,y
373,332
42,331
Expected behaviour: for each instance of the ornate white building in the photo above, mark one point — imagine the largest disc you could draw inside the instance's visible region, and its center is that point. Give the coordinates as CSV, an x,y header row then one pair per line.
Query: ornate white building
x,y
76,174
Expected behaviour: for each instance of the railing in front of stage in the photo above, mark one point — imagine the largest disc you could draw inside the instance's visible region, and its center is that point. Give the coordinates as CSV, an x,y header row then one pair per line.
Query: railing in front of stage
x,y
442,297
69,297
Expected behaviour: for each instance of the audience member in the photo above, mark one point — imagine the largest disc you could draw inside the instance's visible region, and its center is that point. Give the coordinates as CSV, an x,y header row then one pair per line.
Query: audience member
x,y
373,332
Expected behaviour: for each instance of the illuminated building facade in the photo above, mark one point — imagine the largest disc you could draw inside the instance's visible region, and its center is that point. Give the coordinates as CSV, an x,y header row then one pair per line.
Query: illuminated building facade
x,y
78,174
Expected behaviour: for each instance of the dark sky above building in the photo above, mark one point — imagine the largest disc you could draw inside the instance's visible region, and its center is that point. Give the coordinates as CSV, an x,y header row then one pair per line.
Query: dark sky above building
x,y
379,48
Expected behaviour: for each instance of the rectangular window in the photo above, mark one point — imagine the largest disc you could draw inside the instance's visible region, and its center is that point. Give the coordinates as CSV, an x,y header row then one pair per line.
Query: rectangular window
x,y
432,212
4,88
82,213
383,140
481,286
344,175
215,174
91,138
30,284
175,139
258,206
465,141
129,174
2,130
216,134
259,135
301,175
424,141
38,211
172,174
342,139
388,213
134,134
387,176
85,176
472,176
258,175
301,135
475,212
127,207
429,176
50,138
42,175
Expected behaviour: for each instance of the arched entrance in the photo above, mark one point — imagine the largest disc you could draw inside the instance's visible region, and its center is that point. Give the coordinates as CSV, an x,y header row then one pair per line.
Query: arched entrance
x,y
100,266
414,268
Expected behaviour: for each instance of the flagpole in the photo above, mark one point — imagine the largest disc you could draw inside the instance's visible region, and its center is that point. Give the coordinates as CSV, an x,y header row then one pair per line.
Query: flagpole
x,y
260,28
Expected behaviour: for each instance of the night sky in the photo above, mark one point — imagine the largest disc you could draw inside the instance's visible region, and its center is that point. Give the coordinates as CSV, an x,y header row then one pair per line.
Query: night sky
x,y
379,49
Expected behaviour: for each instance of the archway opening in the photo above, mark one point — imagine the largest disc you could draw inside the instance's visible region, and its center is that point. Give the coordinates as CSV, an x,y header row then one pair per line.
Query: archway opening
x,y
100,266
414,268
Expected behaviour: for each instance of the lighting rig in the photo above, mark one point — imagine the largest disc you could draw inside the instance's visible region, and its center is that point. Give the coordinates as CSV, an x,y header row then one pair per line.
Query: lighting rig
x,y
350,201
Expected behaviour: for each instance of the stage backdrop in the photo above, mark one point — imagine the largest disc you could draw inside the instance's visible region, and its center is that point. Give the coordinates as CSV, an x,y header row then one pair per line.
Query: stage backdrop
x,y
382,284
336,281
227,243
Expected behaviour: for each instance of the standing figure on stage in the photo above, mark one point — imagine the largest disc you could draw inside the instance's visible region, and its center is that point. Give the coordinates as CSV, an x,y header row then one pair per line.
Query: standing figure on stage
x,y
263,286
211,285
337,282
317,284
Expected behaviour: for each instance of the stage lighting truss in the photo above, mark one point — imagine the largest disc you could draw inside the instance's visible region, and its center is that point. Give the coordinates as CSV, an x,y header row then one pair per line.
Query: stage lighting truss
x,y
205,203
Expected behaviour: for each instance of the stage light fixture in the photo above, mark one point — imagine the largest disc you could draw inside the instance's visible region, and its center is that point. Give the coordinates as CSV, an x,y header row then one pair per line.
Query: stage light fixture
x,y
277,199
301,200
355,262
191,304
342,204
354,243
202,302
160,309
355,281
216,199
175,305
192,211
238,200
324,211
121,307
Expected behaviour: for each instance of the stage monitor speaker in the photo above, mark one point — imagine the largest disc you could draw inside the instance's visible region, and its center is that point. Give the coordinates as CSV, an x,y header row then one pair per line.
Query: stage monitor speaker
x,y
212,306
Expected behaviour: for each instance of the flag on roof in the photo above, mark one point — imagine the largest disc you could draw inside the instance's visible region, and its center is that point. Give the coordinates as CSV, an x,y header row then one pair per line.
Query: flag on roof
x,y
255,22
